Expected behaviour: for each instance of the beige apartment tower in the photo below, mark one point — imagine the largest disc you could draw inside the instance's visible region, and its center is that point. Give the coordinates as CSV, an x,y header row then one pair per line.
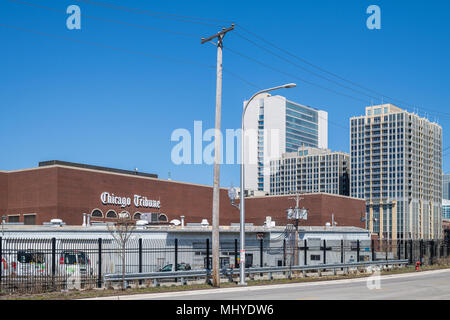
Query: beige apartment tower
x,y
310,170
396,165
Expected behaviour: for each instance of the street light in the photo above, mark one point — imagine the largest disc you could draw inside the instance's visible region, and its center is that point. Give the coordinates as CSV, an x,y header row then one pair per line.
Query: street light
x,y
242,197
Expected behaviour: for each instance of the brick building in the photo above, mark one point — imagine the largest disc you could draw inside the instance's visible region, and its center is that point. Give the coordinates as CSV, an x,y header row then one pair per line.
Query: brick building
x,y
65,191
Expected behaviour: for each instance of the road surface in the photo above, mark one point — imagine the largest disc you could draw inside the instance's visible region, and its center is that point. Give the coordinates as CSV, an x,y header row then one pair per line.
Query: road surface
x,y
421,285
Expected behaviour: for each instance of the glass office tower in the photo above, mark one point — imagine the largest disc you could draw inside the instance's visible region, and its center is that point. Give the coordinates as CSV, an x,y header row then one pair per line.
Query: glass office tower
x,y
279,126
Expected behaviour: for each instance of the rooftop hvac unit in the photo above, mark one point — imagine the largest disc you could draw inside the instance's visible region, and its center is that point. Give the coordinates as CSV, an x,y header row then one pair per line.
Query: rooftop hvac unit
x,y
151,217
141,224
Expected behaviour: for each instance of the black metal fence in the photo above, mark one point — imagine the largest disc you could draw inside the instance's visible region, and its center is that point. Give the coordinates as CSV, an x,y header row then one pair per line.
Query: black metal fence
x,y
42,265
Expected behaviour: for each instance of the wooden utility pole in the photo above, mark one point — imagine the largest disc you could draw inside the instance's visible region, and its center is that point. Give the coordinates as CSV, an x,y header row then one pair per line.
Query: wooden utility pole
x,y
216,188
297,201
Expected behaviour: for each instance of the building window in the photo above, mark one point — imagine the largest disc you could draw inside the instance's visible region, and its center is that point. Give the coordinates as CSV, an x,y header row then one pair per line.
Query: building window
x,y
29,219
124,215
13,219
137,216
97,214
163,218
111,214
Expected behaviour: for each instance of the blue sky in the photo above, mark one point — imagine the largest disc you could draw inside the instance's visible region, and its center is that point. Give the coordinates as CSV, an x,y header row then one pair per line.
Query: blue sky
x,y
111,94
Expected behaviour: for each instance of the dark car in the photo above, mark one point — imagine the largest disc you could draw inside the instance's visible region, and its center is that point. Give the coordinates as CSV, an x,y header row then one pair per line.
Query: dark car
x,y
180,267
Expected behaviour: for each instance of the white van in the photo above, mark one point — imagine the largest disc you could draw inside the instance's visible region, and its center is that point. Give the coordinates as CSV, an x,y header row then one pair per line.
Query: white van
x,y
29,263
75,262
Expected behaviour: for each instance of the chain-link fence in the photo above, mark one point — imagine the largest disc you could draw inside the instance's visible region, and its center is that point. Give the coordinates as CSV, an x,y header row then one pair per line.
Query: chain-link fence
x,y
42,265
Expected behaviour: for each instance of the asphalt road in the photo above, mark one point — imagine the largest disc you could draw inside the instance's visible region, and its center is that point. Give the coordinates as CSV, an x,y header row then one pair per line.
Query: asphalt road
x,y
422,285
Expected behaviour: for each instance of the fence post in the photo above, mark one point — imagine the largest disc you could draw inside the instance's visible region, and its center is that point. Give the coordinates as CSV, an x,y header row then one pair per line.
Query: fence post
x,y
140,257
176,255
373,250
236,264
386,249
398,250
410,251
342,251
357,250
207,260
1,261
207,254
406,248
261,250
284,252
421,250
324,251
53,261
306,252
99,280
432,253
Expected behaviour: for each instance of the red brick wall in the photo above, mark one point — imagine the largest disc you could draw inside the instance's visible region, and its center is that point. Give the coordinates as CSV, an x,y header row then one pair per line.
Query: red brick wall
x,y
33,191
347,211
66,193
3,193
79,191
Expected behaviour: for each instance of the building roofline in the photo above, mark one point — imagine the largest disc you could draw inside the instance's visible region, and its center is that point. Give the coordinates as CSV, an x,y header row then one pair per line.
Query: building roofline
x,y
100,168
395,112
106,172
307,194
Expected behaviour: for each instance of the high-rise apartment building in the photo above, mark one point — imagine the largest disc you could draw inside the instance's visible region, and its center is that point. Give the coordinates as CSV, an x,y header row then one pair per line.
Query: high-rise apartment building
x,y
274,126
446,186
310,170
396,165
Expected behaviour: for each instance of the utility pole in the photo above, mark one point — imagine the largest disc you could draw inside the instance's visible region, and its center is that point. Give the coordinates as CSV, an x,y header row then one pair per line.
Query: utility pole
x,y
216,188
296,217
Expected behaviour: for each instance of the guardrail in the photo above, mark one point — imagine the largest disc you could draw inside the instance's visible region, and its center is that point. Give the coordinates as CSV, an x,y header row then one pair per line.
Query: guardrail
x,y
204,273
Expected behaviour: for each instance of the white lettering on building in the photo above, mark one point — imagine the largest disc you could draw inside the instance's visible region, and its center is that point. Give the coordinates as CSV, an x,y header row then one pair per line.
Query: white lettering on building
x,y
139,201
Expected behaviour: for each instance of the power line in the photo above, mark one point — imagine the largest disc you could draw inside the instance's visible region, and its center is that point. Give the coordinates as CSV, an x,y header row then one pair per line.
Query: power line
x,y
237,76
108,20
199,20
305,69
162,15
100,45
292,75
337,76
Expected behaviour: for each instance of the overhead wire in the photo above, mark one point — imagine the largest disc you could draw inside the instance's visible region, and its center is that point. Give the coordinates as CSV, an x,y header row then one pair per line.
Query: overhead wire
x,y
105,46
199,20
109,20
440,113
158,14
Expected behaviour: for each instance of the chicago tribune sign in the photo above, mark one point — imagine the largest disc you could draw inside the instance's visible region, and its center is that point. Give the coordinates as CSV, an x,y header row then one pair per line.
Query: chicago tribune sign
x,y
138,201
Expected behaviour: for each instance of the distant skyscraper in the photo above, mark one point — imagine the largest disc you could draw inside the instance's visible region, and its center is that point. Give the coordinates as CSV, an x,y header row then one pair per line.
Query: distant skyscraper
x,y
446,209
310,170
446,186
279,126
396,165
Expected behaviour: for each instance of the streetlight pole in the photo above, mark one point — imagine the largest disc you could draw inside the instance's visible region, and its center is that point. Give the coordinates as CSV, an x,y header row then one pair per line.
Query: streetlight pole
x,y
242,197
